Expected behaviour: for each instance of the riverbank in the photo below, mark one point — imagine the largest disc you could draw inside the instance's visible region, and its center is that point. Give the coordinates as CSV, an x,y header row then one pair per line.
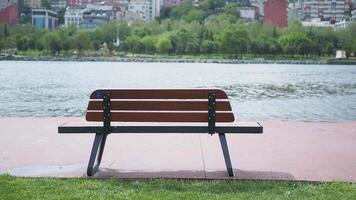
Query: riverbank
x,y
166,60
287,150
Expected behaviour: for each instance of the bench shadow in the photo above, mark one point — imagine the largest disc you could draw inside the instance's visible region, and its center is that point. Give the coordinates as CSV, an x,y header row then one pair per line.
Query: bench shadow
x,y
250,175
187,174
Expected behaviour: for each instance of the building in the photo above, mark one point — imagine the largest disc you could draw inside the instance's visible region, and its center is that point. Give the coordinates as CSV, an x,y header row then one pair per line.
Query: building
x,y
170,3
33,3
341,24
58,4
293,13
6,3
240,3
275,12
95,18
258,4
248,13
78,2
44,19
326,10
353,15
147,10
316,22
73,15
8,14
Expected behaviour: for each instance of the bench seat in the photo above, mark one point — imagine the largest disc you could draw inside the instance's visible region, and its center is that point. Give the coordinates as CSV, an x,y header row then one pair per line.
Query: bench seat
x,y
197,111
151,127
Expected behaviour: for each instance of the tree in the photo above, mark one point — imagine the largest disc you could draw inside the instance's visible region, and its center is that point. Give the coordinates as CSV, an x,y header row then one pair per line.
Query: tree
x,y
46,4
163,45
52,42
61,13
234,40
209,47
185,41
194,15
97,37
295,43
182,9
231,9
123,30
22,43
149,44
132,43
81,41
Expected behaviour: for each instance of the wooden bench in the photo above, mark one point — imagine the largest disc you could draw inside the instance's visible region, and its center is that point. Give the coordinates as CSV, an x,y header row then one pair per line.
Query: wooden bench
x,y
158,111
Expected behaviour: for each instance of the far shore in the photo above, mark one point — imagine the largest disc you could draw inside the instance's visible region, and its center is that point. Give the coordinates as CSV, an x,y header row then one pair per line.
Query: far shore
x,y
178,60
162,59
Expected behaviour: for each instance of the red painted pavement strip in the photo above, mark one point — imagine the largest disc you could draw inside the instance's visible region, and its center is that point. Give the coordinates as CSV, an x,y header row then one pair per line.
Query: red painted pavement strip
x,y
286,151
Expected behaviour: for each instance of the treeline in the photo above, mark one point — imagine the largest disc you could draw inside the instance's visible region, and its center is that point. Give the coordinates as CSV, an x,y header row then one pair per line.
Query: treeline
x,y
222,33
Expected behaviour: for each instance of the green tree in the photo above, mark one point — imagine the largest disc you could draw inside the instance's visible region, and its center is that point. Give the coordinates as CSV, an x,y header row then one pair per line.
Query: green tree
x,y
149,44
185,41
124,30
163,45
22,43
182,9
97,37
52,42
81,41
231,9
46,4
234,40
194,15
61,13
295,43
133,42
209,47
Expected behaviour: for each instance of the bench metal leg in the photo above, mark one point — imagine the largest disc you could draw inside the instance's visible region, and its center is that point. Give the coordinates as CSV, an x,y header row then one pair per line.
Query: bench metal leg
x,y
96,153
225,150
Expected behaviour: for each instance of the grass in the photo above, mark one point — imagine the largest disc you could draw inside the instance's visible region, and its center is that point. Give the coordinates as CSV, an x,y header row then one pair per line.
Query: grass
x,y
78,188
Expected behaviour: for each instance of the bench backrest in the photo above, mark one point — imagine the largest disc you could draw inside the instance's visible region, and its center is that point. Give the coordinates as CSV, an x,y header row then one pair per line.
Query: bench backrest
x,y
160,105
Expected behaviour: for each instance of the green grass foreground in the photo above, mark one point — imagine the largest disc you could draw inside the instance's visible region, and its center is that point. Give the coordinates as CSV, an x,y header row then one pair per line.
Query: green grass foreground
x,y
78,188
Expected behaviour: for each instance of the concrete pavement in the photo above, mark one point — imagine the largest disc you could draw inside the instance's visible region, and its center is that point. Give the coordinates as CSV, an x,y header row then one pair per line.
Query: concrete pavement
x,y
287,150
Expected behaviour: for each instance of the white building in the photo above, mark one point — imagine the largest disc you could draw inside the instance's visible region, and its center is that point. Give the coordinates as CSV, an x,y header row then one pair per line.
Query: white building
x,y
58,4
33,3
248,13
353,14
326,10
293,13
147,10
342,24
317,22
73,15
259,5
44,19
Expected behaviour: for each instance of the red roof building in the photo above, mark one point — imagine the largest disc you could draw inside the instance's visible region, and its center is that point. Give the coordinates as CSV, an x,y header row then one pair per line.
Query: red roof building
x,y
276,12
9,15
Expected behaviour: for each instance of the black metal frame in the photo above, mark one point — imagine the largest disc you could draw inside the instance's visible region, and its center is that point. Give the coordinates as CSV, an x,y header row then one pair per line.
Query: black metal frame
x,y
222,137
101,133
226,153
100,138
211,112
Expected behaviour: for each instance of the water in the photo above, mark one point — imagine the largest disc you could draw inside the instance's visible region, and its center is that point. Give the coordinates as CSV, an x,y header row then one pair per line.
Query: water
x,y
258,92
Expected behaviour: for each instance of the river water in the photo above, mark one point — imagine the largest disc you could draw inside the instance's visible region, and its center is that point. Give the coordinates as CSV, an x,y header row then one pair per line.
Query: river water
x,y
257,91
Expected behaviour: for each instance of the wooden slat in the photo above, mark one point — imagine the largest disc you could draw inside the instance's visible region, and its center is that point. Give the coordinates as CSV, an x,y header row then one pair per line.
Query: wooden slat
x,y
158,93
160,105
160,116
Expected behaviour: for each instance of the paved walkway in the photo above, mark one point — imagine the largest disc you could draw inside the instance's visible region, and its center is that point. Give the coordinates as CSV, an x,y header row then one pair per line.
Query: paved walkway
x,y
286,151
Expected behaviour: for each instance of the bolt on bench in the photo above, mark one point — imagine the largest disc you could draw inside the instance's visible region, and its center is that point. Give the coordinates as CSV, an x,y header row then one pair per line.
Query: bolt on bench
x,y
158,111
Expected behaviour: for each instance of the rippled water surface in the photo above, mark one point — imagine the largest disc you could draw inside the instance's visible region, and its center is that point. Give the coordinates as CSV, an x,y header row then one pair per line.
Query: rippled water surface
x,y
293,92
